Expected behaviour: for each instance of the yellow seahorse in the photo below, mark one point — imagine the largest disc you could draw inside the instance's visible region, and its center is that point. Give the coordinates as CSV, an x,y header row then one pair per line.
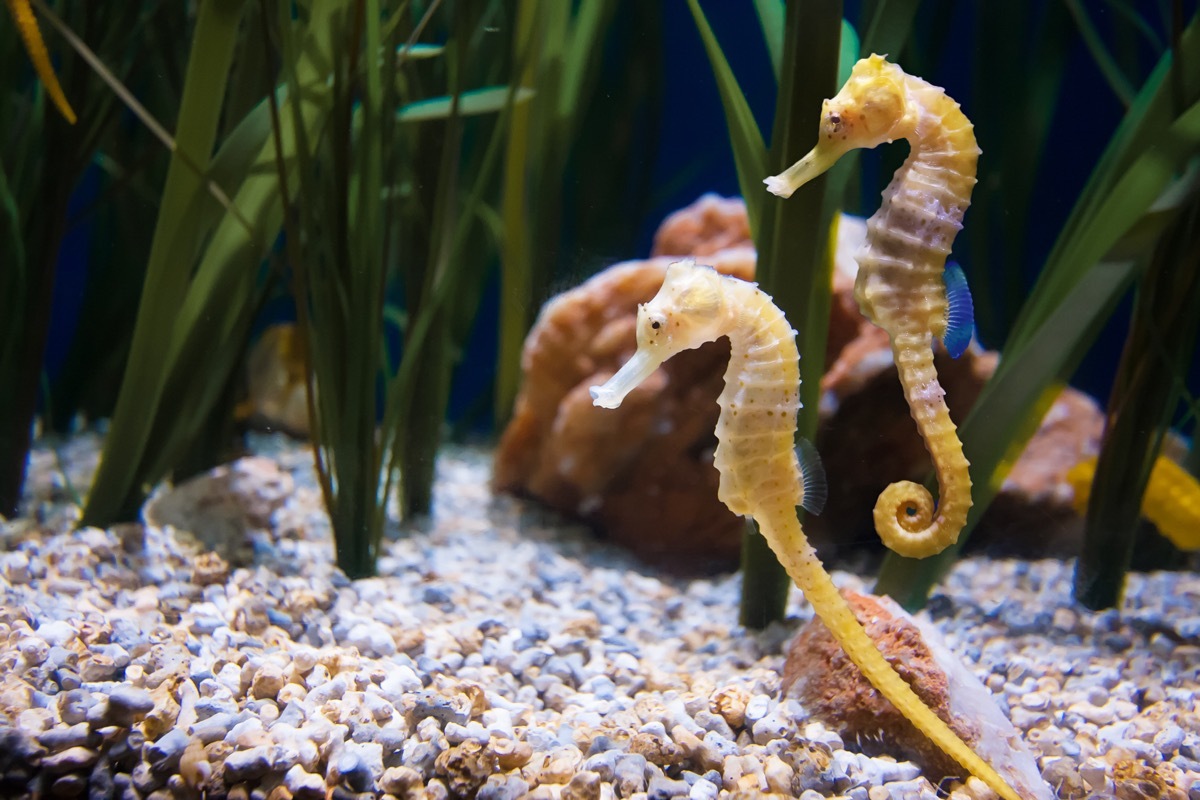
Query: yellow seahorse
x,y
903,284
1171,500
761,475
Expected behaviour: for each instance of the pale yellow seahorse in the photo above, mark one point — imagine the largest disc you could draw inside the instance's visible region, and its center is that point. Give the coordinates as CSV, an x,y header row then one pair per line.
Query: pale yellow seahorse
x,y
761,475
903,283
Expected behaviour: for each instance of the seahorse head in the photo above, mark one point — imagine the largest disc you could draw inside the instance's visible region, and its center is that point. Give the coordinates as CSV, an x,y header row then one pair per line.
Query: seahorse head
x,y
688,311
872,108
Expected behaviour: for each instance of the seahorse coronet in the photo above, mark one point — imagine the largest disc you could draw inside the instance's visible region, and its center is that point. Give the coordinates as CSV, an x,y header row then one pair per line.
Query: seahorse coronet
x,y
760,473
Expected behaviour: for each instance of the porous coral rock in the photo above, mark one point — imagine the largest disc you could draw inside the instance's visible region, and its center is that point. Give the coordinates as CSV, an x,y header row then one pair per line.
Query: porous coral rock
x,y
643,473
818,673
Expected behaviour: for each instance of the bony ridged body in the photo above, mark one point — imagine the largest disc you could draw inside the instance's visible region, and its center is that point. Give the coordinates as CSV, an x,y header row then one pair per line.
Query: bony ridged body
x,y
760,473
900,284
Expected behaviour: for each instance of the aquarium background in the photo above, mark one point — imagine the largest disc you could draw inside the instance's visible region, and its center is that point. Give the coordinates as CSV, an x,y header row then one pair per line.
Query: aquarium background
x,y
690,156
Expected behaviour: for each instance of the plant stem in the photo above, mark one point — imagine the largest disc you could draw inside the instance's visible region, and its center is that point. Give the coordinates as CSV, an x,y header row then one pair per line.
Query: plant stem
x,y
1160,345
794,264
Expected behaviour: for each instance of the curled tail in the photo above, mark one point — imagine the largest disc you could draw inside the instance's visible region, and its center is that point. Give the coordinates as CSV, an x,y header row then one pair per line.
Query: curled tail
x,y
784,534
904,513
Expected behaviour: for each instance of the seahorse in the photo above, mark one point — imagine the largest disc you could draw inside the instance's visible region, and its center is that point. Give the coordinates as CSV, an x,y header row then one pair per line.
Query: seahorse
x,y
35,46
903,285
761,475
1171,500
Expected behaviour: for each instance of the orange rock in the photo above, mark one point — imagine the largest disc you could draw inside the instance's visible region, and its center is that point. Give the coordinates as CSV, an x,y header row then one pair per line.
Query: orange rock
x,y
818,673
707,226
643,474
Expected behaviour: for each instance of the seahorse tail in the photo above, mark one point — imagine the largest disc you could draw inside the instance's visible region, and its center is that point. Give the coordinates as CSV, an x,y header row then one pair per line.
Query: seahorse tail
x,y
905,516
784,535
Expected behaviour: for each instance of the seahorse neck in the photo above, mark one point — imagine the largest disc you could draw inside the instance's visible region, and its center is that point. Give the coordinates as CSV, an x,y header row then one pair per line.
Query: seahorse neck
x,y
941,131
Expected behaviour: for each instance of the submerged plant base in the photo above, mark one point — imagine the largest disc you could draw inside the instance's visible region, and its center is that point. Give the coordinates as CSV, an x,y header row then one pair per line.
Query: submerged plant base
x,y
500,648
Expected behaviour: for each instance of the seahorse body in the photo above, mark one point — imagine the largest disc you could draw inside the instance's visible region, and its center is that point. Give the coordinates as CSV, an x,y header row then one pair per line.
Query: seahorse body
x,y
1171,500
902,284
760,473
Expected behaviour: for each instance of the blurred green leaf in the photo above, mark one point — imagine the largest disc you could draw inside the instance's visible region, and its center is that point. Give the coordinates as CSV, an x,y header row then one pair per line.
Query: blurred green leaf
x,y
489,100
749,150
771,18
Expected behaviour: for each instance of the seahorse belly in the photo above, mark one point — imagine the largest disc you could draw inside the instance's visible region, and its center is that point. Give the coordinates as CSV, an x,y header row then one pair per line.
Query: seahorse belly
x,y
757,426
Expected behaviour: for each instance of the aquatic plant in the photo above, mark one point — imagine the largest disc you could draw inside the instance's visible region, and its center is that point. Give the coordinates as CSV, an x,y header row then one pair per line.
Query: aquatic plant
x,y
811,49
903,284
761,476
1128,477
362,219
213,230
42,156
557,48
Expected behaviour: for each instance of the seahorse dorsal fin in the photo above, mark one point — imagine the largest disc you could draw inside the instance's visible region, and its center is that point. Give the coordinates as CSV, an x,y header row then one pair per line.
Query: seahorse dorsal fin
x,y
960,311
812,472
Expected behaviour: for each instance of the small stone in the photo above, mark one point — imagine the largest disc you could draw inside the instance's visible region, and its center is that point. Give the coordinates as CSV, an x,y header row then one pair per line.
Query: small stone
x,y
630,774
268,680
69,786
730,702
703,789
58,739
372,639
582,786
57,633
165,753
307,786
72,759
503,787
400,781
247,765
128,705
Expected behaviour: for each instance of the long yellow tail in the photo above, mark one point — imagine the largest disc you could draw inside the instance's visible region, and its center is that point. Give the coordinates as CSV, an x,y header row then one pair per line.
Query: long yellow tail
x,y
791,546
904,512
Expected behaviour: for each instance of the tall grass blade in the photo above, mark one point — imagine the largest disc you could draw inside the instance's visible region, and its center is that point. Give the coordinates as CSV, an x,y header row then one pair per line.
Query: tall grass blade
x,y
749,150
117,491
1160,347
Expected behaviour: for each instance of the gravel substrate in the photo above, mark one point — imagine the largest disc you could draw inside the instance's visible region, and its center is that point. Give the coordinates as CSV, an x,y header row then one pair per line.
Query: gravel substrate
x,y
502,654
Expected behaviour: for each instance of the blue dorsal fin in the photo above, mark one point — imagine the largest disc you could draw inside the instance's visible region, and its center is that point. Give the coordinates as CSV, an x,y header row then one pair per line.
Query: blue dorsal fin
x,y
812,473
960,311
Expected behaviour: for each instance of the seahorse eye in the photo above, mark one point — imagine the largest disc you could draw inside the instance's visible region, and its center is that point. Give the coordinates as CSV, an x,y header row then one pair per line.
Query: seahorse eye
x,y
656,324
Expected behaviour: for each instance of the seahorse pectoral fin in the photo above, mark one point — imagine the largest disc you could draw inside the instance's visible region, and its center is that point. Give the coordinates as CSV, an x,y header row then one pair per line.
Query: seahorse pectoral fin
x,y
818,160
627,378
960,311
812,475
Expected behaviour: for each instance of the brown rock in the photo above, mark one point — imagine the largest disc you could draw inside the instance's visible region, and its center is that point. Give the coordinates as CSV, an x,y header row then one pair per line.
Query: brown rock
x,y
219,508
819,674
707,226
643,473
865,420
